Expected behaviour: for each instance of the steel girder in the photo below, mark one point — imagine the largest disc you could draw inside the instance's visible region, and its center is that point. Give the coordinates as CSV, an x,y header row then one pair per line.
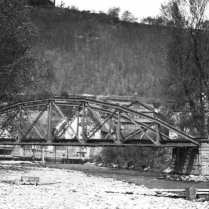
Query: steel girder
x,y
86,122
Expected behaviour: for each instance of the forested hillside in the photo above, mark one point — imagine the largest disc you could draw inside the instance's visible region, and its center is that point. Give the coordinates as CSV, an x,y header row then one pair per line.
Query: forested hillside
x,y
98,54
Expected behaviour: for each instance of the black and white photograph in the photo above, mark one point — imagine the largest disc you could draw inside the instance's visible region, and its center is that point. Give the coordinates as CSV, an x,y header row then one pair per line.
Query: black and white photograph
x,y
104,104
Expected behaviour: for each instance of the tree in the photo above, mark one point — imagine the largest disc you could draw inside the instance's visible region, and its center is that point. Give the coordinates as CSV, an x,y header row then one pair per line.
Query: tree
x,y
38,3
114,12
19,68
138,157
187,55
127,16
153,20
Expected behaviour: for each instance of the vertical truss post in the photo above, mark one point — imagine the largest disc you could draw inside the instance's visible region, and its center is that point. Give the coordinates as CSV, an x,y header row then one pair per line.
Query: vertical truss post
x,y
42,155
83,122
77,128
4,151
55,154
157,134
24,151
49,123
118,140
110,125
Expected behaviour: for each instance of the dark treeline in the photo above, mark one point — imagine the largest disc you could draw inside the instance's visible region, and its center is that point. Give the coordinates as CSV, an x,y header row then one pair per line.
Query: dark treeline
x,y
136,158
41,3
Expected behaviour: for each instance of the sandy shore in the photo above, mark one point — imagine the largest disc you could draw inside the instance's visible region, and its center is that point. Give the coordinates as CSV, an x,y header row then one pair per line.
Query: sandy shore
x,y
78,190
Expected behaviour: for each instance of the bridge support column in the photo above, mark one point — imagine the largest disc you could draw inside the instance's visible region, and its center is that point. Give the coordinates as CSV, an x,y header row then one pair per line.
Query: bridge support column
x,y
188,160
204,158
185,160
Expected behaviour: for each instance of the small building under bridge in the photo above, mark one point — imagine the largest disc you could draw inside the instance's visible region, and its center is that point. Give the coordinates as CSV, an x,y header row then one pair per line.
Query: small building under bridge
x,y
96,121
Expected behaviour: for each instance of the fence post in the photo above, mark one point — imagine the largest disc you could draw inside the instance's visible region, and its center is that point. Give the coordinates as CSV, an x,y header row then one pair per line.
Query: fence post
x,y
43,161
24,151
4,151
55,155
67,154
34,154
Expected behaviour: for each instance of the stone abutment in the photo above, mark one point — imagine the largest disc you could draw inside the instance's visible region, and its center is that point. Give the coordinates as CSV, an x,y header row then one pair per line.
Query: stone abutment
x,y
191,160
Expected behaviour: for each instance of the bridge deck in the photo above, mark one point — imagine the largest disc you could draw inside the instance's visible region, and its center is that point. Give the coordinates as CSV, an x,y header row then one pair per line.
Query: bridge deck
x,y
99,142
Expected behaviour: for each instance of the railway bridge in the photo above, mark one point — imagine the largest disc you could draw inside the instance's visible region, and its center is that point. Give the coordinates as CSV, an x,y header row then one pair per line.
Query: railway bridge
x,y
99,121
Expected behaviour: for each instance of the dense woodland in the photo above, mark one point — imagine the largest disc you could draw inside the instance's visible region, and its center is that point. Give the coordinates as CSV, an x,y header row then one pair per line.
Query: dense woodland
x,y
99,54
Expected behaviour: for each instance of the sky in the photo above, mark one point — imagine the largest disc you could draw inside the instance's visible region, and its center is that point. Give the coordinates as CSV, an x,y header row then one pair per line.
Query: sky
x,y
139,8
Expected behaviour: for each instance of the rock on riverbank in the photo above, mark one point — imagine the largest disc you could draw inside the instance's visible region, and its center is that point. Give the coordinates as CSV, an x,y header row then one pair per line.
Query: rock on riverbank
x,y
80,191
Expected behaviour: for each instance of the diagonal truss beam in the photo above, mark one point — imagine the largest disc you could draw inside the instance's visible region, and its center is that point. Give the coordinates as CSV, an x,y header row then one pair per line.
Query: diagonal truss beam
x,y
7,123
64,127
63,117
140,128
34,123
76,133
101,123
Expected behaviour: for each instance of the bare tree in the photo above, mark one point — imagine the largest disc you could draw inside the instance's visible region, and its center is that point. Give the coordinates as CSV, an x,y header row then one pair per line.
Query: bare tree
x,y
187,55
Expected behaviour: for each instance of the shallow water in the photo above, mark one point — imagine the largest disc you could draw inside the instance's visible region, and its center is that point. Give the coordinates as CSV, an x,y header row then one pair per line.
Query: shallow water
x,y
149,180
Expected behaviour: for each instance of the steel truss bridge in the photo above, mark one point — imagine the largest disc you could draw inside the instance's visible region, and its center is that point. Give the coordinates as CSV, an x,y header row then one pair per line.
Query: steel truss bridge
x,y
81,121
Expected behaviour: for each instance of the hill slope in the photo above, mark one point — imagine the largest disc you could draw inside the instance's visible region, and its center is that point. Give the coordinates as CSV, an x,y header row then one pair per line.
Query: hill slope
x,y
96,54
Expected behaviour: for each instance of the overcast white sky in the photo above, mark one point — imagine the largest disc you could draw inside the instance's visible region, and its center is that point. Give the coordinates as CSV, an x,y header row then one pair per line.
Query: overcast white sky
x,y
139,8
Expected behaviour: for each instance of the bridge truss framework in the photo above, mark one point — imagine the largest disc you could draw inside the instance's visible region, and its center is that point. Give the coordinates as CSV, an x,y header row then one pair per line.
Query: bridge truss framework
x,y
82,121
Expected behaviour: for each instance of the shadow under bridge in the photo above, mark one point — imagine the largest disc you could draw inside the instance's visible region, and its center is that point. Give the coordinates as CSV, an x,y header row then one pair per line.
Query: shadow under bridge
x,y
80,121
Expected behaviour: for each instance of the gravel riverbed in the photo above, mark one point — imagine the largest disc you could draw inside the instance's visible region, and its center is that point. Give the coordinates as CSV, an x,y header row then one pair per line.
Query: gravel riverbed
x,y
74,189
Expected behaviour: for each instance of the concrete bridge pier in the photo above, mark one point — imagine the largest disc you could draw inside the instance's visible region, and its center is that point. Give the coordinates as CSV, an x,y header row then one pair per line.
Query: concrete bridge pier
x,y
191,160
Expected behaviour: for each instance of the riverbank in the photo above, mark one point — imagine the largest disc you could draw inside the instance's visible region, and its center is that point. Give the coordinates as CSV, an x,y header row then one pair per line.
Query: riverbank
x,y
71,189
148,179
